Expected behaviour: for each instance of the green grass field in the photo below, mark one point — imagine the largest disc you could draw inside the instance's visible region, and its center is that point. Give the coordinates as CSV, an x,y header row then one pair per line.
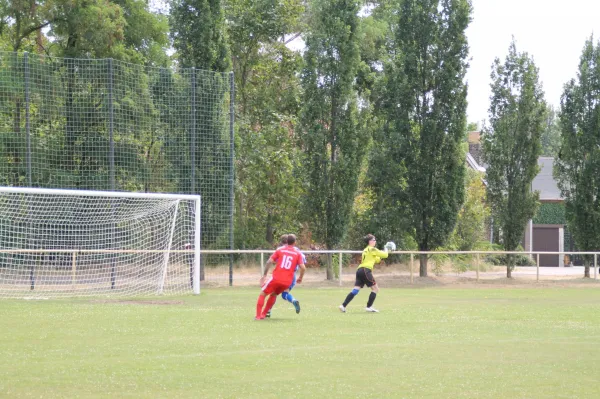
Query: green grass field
x,y
425,343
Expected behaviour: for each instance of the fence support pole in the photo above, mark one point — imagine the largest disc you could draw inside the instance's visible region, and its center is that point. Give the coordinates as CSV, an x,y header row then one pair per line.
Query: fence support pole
x,y
193,132
412,256
477,265
595,266
340,269
111,150
231,171
111,163
192,148
537,267
27,122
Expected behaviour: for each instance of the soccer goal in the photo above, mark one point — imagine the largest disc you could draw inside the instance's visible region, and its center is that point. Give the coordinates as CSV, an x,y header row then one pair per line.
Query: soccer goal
x,y
68,243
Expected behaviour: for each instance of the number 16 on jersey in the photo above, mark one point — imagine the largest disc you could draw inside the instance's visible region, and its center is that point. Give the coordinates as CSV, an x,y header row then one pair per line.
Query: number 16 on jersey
x,y
286,262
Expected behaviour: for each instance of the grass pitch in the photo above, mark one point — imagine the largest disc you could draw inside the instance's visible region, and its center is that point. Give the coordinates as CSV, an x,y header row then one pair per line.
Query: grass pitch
x,y
425,343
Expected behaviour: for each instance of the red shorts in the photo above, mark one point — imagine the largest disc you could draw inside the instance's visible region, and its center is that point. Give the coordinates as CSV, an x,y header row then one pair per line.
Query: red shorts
x,y
274,286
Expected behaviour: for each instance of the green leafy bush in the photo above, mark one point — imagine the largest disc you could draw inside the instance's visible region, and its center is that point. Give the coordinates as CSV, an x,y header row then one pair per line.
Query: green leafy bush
x,y
502,259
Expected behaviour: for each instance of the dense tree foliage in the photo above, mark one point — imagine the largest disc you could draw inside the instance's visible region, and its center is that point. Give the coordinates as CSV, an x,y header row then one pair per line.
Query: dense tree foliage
x,y
578,166
417,165
349,117
267,81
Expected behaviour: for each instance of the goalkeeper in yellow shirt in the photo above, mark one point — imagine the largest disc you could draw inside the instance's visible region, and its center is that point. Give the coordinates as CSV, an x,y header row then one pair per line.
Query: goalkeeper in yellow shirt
x,y
364,273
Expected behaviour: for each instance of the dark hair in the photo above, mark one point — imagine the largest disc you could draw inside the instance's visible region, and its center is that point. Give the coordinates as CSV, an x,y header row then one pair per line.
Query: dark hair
x,y
368,238
291,239
283,239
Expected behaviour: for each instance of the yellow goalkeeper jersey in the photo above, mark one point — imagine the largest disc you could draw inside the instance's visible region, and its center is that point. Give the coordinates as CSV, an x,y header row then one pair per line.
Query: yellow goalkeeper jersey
x,y
369,256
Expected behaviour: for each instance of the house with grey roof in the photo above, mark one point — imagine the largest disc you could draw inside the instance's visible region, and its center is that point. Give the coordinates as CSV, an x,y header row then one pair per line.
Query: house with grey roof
x,y
546,231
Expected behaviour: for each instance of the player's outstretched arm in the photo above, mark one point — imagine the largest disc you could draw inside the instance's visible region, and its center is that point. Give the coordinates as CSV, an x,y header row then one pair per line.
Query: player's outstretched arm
x,y
267,266
381,254
389,247
302,270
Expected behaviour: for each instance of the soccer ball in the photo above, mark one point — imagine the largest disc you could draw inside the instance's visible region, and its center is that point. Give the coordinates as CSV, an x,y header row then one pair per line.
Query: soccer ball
x,y
390,246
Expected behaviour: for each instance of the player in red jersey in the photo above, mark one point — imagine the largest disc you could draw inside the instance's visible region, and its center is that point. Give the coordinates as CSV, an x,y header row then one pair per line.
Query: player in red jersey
x,y
286,259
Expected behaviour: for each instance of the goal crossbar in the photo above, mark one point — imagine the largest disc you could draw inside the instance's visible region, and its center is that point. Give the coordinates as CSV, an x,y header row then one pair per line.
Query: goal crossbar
x,y
90,193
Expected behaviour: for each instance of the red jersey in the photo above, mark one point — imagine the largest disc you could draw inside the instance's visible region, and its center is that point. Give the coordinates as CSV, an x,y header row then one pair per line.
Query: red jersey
x,y
287,259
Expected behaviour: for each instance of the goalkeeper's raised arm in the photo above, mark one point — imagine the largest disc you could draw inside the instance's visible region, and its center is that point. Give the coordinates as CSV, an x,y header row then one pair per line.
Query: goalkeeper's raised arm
x,y
370,255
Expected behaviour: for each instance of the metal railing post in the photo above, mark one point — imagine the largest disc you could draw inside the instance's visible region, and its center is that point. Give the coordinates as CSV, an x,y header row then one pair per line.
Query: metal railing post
x,y
340,269
412,256
262,263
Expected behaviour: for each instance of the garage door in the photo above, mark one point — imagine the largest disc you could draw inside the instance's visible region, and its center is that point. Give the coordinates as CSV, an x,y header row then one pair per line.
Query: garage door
x,y
546,239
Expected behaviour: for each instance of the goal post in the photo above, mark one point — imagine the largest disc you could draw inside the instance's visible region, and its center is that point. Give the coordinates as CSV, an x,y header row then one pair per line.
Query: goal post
x,y
69,243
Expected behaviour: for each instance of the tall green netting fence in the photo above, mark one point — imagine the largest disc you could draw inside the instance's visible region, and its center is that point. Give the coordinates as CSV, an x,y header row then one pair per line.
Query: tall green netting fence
x,y
104,124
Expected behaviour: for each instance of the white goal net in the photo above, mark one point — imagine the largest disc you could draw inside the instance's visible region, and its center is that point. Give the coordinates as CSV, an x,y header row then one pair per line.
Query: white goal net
x,y
68,243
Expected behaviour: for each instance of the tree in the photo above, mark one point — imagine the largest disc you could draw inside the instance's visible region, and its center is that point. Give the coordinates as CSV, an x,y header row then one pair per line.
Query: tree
x,y
145,34
551,135
511,145
577,169
333,138
87,28
472,127
198,33
418,165
21,19
373,33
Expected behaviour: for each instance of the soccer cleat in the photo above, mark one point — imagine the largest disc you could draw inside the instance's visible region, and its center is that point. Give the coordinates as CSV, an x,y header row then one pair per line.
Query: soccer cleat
x,y
372,310
268,314
259,318
342,309
296,305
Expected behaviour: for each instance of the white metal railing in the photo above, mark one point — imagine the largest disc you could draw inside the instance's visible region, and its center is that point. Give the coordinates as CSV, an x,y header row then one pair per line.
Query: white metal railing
x,y
268,252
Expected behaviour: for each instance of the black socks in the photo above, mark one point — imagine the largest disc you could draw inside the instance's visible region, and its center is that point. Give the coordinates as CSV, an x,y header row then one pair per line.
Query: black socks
x,y
371,299
348,299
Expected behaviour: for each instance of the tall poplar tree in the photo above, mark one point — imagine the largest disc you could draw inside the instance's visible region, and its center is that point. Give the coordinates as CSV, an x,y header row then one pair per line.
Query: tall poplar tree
x,y
417,168
578,166
512,145
333,138
198,33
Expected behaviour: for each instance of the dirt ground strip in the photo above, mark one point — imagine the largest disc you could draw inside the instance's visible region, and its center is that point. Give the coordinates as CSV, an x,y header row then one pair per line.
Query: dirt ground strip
x,y
399,277
394,276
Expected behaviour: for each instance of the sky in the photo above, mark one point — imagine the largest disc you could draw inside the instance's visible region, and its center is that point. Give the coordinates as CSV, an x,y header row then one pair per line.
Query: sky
x,y
552,32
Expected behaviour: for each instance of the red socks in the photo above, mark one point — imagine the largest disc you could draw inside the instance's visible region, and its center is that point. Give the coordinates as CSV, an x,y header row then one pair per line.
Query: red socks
x,y
270,303
259,306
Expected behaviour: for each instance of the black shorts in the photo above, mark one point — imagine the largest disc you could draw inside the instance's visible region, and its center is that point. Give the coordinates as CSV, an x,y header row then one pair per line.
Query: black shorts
x,y
364,277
